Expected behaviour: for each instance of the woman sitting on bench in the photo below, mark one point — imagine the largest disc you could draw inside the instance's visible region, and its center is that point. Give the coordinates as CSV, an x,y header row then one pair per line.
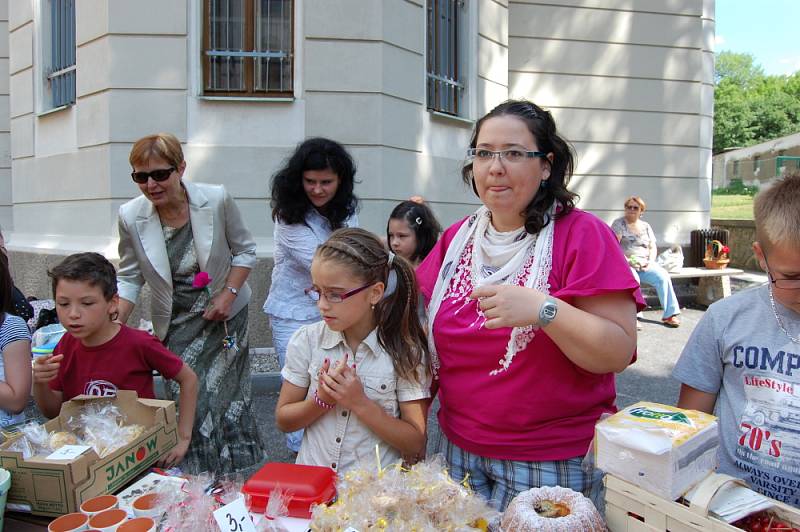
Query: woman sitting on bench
x,y
639,245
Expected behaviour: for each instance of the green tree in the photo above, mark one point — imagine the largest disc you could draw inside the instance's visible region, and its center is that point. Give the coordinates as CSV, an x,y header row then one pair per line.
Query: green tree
x,y
749,106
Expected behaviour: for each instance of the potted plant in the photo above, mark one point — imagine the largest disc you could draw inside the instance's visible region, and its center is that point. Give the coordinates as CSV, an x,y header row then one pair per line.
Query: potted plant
x,y
716,255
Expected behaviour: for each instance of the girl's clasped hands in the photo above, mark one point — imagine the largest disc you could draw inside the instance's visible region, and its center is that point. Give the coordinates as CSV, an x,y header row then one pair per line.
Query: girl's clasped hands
x,y
339,384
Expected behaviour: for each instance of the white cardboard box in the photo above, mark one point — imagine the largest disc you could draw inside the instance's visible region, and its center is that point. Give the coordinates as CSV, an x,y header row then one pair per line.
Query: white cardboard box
x,y
660,448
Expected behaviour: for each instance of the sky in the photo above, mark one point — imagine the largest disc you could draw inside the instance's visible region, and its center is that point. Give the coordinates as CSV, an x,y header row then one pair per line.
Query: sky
x,y
767,29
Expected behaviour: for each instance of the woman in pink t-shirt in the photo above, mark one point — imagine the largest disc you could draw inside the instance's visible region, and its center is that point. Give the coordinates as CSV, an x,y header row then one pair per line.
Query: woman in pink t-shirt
x,y
532,309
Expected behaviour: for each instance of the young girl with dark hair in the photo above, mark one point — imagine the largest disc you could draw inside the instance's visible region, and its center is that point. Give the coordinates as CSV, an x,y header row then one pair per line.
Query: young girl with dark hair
x,y
15,345
360,377
412,230
312,195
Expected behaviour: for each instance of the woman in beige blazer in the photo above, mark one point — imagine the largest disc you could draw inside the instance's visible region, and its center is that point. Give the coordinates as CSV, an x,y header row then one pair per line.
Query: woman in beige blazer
x,y
167,236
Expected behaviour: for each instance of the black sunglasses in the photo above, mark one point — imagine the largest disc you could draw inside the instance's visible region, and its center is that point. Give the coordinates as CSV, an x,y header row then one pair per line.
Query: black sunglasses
x,y
157,175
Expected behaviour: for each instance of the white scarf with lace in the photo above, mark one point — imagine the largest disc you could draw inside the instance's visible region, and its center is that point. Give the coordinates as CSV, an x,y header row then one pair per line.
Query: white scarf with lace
x,y
497,258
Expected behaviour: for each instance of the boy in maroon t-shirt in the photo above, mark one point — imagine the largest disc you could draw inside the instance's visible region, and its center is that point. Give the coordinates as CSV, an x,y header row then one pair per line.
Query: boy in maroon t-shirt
x,y
98,356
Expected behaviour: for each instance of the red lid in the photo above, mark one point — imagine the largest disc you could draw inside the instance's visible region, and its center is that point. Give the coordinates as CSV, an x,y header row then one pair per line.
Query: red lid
x,y
307,484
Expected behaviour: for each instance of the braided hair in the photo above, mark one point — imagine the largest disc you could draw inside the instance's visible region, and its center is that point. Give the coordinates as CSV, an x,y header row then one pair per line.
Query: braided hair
x,y
399,330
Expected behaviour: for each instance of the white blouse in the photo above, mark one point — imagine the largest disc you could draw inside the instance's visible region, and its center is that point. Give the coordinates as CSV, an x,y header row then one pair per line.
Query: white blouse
x,y
295,245
339,439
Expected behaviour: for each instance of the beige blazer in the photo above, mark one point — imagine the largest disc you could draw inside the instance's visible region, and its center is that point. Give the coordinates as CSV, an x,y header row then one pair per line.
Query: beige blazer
x,y
220,237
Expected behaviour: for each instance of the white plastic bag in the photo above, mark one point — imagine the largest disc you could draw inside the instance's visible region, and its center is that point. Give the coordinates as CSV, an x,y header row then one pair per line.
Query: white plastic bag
x,y
671,259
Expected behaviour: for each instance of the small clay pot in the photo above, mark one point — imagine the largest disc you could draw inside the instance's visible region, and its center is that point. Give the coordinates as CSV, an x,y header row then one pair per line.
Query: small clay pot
x,y
95,505
145,505
139,524
69,523
109,520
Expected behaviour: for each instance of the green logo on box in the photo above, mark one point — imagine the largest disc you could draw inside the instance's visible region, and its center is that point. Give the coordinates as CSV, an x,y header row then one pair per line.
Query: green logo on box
x,y
646,413
118,469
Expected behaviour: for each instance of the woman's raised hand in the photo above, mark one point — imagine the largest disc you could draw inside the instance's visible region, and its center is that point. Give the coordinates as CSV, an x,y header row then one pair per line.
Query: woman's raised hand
x,y
508,306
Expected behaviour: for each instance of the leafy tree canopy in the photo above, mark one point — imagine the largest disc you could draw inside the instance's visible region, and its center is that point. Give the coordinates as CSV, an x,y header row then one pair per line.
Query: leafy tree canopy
x,y
750,106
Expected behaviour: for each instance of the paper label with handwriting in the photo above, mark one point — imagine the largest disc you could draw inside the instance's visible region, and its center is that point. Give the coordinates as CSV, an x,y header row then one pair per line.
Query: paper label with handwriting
x,y
234,517
68,452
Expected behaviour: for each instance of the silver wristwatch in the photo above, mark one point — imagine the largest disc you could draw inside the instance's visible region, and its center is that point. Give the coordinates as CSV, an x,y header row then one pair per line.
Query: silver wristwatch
x,y
548,311
232,290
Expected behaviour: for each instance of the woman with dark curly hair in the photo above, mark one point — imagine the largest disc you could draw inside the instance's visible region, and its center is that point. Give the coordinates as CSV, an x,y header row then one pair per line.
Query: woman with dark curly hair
x,y
312,196
532,309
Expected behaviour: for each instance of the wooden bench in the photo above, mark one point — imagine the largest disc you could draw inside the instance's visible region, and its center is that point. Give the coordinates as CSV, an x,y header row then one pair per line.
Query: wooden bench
x,y
713,285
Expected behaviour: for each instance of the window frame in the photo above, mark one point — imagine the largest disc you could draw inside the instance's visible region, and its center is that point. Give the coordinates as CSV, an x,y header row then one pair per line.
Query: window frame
x,y
45,73
463,67
249,66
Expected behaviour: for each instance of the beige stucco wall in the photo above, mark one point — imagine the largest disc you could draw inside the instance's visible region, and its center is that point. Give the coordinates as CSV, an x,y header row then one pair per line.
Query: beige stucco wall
x,y
630,86
5,123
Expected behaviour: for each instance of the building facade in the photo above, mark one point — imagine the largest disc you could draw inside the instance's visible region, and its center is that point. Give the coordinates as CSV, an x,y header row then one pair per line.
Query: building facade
x,y
399,82
757,164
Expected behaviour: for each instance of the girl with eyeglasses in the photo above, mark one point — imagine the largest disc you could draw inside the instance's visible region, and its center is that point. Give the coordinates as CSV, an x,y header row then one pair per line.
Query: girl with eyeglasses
x,y
312,196
638,242
358,378
175,230
532,309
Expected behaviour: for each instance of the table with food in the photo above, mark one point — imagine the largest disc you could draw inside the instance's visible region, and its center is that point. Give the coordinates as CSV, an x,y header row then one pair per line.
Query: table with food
x,y
658,461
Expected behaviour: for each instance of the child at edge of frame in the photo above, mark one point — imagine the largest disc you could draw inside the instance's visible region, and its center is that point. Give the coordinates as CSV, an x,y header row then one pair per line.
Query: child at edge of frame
x,y
743,358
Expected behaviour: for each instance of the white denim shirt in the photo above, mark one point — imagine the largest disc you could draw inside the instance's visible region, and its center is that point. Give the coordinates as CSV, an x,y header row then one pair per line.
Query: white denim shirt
x,y
295,245
339,439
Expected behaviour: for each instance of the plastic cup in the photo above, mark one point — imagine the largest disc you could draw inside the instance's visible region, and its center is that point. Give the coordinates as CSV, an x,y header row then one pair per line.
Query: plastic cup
x,y
109,520
5,484
138,524
145,505
75,522
95,505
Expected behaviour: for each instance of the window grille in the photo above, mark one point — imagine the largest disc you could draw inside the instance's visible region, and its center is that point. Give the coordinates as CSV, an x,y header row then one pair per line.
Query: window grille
x,y
61,71
248,47
445,85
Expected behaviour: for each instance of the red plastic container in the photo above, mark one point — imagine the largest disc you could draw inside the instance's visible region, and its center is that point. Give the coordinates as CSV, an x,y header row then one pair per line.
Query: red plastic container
x,y
308,485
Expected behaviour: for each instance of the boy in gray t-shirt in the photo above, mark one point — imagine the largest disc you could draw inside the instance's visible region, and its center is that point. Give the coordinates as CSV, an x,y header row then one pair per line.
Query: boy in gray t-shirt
x,y
744,357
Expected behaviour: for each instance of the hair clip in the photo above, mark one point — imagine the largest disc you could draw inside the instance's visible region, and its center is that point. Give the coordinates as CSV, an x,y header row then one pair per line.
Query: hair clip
x,y
418,220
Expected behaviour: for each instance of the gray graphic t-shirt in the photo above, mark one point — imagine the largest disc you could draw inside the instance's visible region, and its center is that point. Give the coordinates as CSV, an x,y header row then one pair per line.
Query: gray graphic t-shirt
x,y
739,352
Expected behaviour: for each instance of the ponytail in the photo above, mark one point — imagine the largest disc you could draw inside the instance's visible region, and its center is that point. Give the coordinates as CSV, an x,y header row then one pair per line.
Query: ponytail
x,y
399,330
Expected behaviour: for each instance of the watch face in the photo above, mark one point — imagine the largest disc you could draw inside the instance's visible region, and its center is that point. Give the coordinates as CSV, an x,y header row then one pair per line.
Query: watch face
x,y
549,311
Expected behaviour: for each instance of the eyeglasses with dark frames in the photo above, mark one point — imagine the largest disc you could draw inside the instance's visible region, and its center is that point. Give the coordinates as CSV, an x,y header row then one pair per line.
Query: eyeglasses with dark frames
x,y
783,284
159,175
632,207
333,297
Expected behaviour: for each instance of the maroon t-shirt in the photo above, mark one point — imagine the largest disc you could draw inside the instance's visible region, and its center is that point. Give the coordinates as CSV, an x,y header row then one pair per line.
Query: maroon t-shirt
x,y
126,362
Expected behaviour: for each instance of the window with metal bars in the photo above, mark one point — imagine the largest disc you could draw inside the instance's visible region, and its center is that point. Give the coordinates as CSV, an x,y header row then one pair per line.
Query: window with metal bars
x,y
445,80
248,48
60,69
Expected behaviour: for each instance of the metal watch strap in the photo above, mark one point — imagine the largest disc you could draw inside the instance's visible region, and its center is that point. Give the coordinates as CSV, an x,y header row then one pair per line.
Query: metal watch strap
x,y
547,311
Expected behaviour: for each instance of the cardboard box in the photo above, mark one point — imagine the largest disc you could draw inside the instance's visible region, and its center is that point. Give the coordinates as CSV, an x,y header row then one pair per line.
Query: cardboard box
x,y
55,487
663,449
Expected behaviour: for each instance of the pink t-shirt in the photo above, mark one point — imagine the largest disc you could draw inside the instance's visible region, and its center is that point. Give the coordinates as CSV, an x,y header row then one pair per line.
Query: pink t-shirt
x,y
543,407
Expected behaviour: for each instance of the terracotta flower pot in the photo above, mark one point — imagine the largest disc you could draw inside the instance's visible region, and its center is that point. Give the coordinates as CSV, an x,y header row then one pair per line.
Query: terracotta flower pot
x,y
146,505
139,524
69,523
109,520
95,505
